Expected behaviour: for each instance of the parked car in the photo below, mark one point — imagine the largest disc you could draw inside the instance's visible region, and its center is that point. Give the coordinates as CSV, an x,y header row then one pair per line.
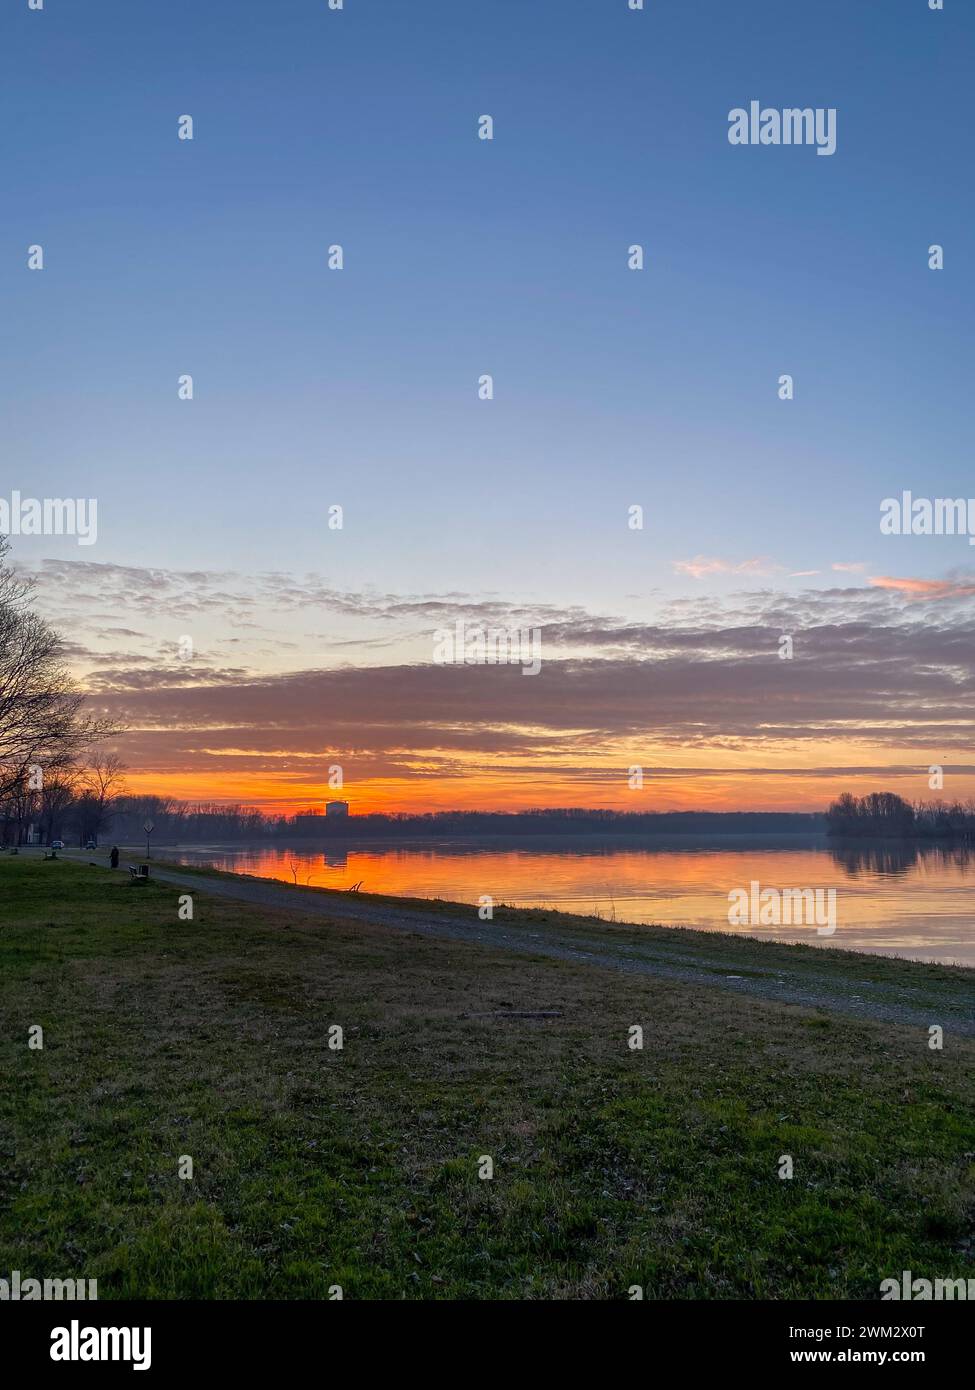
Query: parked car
x,y
57,844
91,845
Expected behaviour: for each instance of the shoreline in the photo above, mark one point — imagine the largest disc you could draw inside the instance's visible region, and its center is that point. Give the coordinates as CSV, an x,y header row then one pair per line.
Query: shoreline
x,y
938,952
864,984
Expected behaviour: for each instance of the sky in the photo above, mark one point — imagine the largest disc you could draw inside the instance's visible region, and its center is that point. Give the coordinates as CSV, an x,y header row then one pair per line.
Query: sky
x,y
312,388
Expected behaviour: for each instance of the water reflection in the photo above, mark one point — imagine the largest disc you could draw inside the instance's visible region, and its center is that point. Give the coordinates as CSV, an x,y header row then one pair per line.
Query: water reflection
x,y
897,898
896,857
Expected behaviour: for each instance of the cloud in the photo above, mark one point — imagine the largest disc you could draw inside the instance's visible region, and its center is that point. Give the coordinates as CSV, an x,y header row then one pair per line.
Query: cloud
x,y
704,564
86,589
926,588
888,686
889,665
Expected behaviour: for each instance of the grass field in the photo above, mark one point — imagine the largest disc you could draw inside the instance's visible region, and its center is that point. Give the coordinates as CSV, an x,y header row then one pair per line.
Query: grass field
x,y
315,1167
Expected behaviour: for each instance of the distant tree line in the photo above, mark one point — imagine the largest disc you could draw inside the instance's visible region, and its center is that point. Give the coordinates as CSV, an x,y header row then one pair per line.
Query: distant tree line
x,y
884,814
558,821
178,822
81,810
86,802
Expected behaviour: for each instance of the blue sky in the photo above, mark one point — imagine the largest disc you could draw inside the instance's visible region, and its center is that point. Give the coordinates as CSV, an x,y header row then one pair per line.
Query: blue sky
x,y
463,257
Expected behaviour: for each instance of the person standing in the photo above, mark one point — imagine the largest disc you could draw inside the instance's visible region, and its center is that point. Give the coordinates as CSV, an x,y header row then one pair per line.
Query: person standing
x,y
114,857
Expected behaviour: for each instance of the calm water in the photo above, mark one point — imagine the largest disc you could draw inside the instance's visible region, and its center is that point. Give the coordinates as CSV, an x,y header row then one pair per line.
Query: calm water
x,y
894,900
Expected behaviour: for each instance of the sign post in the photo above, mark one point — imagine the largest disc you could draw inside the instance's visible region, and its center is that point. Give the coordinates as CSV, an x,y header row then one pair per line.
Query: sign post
x,y
148,828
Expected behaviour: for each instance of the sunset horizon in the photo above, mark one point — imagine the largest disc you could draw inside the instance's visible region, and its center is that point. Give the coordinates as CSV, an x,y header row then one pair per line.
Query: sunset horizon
x,y
738,691
706,708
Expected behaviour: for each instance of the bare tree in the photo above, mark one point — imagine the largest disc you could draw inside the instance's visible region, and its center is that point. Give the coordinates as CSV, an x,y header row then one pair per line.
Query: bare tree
x,y
42,722
19,811
102,781
55,800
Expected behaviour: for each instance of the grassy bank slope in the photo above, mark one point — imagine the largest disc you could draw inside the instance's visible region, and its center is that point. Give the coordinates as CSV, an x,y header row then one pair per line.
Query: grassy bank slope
x,y
359,1167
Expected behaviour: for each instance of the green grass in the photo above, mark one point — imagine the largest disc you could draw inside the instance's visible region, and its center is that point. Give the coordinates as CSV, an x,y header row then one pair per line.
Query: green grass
x,y
359,1167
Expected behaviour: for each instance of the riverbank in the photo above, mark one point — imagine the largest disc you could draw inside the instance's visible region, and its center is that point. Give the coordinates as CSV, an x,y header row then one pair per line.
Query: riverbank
x,y
915,904
312,1167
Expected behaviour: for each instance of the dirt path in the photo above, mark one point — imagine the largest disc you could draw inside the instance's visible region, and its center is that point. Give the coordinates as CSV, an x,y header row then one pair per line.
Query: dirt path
x,y
919,1000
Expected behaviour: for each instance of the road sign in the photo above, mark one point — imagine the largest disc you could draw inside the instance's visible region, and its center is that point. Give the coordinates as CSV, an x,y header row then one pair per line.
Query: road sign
x,y
148,827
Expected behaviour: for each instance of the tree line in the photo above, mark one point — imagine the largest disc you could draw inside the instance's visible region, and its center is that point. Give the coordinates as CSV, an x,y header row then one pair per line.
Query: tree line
x,y
884,814
555,821
176,821
92,815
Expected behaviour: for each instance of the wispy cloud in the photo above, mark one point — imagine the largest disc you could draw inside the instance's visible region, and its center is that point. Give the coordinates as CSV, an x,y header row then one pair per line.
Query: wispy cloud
x,y
708,564
926,588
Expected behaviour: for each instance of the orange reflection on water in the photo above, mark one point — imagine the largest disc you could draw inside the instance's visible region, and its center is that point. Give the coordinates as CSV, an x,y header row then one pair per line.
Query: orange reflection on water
x,y
898,900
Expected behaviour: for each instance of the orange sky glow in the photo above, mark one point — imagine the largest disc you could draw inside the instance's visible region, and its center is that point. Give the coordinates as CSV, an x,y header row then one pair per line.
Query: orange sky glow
x,y
671,790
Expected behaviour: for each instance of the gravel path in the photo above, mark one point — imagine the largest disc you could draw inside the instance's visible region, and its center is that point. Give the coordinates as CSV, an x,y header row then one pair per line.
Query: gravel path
x,y
918,1002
